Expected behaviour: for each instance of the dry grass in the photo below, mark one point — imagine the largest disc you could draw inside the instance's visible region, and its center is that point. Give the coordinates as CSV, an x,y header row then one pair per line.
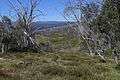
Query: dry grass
x,y
55,66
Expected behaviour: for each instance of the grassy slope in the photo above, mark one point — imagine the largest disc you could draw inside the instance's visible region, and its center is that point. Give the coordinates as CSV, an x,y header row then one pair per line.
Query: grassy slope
x,y
55,66
58,39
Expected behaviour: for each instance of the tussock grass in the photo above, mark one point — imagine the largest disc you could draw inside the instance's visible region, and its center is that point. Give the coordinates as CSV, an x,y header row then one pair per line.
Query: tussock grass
x,y
56,66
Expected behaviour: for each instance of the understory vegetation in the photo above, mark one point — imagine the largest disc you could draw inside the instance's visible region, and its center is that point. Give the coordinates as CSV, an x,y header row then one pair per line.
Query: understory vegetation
x,y
56,66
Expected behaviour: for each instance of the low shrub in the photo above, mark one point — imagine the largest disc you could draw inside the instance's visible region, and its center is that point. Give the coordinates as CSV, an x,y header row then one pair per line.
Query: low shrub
x,y
53,70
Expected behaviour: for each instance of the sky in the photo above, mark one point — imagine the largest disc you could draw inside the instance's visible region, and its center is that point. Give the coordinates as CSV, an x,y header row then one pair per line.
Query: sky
x,y
51,9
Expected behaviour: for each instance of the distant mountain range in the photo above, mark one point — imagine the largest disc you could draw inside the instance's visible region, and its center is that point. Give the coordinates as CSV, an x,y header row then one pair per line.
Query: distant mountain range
x,y
49,24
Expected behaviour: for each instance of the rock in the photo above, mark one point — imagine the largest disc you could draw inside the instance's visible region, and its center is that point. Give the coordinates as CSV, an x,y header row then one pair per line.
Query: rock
x,y
25,62
20,62
28,62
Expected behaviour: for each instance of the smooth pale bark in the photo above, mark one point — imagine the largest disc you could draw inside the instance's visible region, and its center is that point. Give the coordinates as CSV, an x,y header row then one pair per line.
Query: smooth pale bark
x,y
83,30
4,48
116,59
102,57
69,38
31,40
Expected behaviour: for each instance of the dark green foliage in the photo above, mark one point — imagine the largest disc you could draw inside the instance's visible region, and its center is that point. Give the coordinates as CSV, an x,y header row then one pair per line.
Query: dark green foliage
x,y
108,21
117,67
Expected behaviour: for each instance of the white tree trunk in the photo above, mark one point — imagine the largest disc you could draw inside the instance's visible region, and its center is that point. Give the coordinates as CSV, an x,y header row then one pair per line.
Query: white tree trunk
x,y
3,48
116,59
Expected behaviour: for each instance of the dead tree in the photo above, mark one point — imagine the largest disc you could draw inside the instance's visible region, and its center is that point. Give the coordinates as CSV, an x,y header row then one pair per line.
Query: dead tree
x,y
22,32
25,18
83,13
5,33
